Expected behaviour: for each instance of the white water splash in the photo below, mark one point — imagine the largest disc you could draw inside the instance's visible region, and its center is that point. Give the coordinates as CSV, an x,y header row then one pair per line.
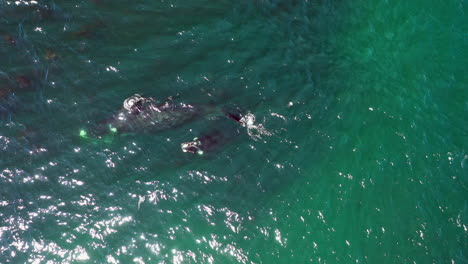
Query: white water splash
x,y
255,131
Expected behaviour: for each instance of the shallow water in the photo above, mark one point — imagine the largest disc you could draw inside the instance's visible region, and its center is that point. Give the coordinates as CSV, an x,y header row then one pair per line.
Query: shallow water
x,y
364,159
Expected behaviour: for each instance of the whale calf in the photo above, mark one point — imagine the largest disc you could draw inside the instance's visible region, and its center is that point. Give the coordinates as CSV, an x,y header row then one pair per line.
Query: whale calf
x,y
208,141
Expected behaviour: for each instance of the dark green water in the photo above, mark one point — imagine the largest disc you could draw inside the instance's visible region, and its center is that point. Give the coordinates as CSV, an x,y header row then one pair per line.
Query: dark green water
x,y
365,101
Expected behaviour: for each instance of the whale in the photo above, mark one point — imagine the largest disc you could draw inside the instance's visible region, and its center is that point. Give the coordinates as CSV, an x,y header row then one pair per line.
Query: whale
x,y
206,142
145,115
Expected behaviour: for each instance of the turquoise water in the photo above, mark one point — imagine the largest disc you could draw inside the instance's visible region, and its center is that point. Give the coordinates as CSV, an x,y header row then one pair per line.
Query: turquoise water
x,y
364,158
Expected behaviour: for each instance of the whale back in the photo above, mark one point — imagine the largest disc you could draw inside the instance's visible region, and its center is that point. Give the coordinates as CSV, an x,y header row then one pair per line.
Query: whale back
x,y
154,118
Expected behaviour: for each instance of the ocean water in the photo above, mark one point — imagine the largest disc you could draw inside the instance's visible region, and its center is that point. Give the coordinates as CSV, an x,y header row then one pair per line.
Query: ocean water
x,y
362,157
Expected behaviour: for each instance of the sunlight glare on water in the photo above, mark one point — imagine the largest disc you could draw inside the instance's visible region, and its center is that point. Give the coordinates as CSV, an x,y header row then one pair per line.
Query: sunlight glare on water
x,y
338,132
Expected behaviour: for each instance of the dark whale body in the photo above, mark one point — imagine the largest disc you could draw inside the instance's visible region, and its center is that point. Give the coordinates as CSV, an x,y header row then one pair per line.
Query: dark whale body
x,y
207,142
144,115
149,118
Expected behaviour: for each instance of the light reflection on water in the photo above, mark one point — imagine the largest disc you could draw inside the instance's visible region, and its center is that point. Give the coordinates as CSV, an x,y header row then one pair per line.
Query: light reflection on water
x,y
327,167
82,216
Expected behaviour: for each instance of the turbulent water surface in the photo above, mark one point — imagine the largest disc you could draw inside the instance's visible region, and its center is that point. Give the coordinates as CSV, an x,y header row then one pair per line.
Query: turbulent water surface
x,y
358,154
